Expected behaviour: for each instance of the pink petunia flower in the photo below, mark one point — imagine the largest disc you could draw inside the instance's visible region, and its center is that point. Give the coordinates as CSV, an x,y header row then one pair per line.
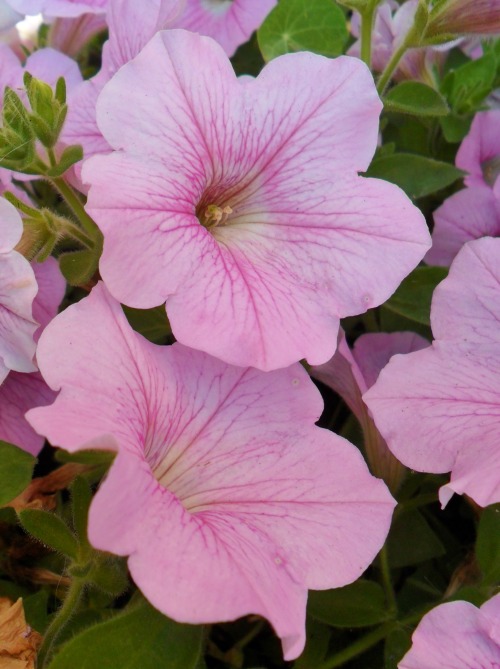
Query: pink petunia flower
x,y
244,197
470,214
475,211
224,495
457,635
131,26
67,8
228,22
351,372
439,409
18,288
392,23
479,152
20,392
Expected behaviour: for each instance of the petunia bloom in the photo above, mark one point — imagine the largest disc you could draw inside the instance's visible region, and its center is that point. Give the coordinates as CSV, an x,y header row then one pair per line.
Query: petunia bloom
x,y
351,372
464,17
68,8
439,409
228,22
479,152
245,199
475,211
19,391
18,288
458,635
226,497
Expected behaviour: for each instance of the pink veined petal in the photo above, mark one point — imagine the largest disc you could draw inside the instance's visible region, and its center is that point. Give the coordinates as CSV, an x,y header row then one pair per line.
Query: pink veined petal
x,y
212,462
436,405
51,289
11,226
8,17
9,68
203,105
469,310
18,394
480,146
230,23
450,637
489,616
469,214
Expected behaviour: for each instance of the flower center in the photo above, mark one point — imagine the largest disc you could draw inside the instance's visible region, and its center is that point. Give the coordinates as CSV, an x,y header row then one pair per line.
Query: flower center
x,y
212,215
491,170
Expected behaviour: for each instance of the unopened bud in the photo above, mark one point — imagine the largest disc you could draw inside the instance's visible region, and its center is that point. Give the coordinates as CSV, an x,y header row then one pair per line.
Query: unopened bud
x,y
464,17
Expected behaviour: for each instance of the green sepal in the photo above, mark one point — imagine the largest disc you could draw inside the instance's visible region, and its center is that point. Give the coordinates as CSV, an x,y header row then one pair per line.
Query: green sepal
x,y
70,156
50,530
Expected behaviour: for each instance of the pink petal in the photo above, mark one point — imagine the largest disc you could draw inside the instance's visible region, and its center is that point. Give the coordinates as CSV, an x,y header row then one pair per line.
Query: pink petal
x,y
297,239
232,478
469,310
469,214
230,23
49,64
70,35
51,289
450,637
59,7
18,394
481,145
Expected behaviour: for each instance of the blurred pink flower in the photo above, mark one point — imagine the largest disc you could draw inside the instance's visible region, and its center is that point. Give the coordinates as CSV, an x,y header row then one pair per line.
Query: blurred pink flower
x,y
469,214
475,211
224,494
439,409
465,17
244,197
59,7
18,288
479,153
8,17
458,635
228,22
392,22
351,372
70,35
22,316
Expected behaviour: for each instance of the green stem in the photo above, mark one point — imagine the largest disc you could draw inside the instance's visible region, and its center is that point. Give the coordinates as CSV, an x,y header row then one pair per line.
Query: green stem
x,y
358,647
385,571
59,621
367,19
76,233
416,502
386,75
371,639
74,203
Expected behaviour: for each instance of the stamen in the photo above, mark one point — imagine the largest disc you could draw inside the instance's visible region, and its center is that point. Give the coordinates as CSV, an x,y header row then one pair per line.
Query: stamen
x,y
215,215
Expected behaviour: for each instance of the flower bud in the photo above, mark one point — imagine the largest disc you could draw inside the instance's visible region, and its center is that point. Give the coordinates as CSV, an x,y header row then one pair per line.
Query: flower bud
x,y
464,17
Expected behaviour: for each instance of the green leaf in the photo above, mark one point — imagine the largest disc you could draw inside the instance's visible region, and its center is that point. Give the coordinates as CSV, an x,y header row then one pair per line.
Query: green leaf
x,y
78,267
413,97
302,25
35,610
417,175
87,457
488,543
455,127
50,530
411,541
138,638
414,296
467,86
81,497
397,644
16,470
70,156
317,643
357,605
150,323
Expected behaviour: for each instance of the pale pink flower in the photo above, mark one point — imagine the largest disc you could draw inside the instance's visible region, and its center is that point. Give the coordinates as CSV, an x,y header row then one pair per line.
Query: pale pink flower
x,y
131,26
469,214
351,372
70,35
479,153
8,17
20,392
457,635
18,288
239,202
392,23
68,8
224,495
229,22
439,409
